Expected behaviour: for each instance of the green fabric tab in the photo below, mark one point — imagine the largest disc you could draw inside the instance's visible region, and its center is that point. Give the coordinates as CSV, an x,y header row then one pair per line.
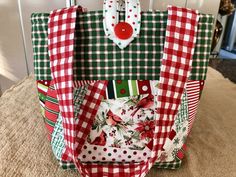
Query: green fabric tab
x,y
134,87
42,96
122,88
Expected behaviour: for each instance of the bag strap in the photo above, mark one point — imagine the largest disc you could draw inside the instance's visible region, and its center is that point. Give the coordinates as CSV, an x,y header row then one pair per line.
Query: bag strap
x,y
176,65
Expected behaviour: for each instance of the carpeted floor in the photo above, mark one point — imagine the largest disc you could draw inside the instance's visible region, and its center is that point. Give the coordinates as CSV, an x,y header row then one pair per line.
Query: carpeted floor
x,y
227,67
25,151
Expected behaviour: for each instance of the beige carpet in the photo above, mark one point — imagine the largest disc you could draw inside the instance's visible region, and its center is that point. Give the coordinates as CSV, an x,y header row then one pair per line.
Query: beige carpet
x,y
25,151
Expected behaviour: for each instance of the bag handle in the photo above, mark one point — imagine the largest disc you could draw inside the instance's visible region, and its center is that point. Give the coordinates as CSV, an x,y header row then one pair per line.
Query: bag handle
x,y
175,69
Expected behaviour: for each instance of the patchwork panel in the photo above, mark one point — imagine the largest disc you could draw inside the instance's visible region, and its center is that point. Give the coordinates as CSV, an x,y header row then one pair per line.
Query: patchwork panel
x,y
119,132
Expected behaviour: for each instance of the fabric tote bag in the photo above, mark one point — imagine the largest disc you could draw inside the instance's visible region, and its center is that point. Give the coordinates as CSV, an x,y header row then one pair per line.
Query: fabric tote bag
x,y
119,90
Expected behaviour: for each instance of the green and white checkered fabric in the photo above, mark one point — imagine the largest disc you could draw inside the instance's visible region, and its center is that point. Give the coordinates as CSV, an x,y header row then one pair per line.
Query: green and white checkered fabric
x,y
79,94
163,165
40,46
98,58
202,48
57,140
67,165
182,114
169,165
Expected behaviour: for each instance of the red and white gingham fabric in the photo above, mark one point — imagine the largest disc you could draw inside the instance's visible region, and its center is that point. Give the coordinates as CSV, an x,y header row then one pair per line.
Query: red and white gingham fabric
x,y
176,64
61,29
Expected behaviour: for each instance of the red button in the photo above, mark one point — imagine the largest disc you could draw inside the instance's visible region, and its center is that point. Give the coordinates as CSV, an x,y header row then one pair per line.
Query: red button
x,y
123,30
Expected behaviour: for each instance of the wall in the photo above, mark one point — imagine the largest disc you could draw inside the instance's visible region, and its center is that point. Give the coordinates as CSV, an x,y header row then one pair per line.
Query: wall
x,y
12,63
12,58
37,6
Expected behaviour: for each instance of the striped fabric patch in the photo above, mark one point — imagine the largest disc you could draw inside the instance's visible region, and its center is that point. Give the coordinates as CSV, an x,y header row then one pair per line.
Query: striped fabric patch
x,y
48,104
193,93
42,87
51,110
125,88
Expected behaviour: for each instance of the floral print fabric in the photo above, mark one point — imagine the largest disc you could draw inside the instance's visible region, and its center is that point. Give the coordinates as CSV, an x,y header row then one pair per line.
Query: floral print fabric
x,y
123,130
127,122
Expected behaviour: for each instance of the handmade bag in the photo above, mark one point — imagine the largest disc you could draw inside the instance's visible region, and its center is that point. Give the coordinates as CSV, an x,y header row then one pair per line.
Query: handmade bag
x,y
115,107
